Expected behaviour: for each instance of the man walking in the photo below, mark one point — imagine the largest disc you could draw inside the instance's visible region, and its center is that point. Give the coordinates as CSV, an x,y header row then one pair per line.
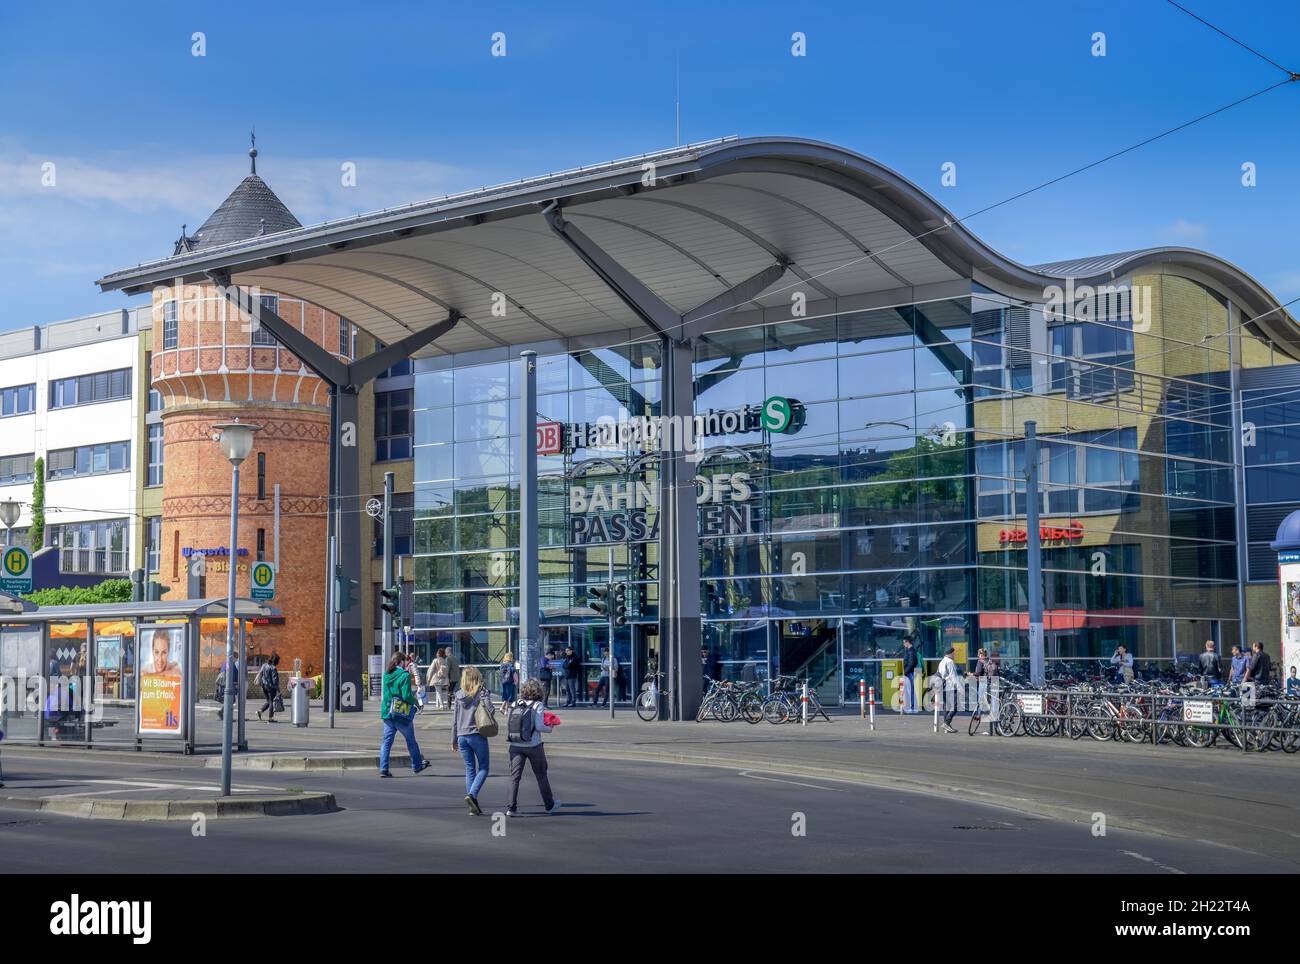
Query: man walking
x,y
606,673
947,684
544,674
910,663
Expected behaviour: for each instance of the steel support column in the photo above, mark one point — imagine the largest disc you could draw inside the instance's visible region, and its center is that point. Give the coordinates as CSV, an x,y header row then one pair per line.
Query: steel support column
x,y
529,590
679,537
351,646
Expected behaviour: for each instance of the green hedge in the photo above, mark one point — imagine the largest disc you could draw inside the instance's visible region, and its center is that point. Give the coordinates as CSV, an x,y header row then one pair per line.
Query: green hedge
x,y
108,591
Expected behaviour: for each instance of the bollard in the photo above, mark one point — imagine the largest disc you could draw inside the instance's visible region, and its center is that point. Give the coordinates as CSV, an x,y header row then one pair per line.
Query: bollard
x,y
936,709
862,697
873,708
803,701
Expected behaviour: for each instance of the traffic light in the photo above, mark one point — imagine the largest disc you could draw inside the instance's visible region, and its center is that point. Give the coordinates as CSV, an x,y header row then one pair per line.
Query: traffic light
x,y
598,599
620,604
345,591
391,597
153,591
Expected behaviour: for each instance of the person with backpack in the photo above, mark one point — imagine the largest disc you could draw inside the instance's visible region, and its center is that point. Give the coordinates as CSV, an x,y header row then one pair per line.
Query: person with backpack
x,y
473,720
268,677
397,710
525,724
509,678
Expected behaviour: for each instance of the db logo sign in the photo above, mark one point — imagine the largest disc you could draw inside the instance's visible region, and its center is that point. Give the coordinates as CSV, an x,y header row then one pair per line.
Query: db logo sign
x,y
549,438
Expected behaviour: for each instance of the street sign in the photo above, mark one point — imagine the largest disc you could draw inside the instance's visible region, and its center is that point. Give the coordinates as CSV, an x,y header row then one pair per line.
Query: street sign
x,y
1198,711
550,438
16,572
262,581
374,508
1031,704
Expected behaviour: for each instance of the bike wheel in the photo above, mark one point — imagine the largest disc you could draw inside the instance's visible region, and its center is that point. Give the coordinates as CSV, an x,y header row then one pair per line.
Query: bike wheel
x,y
727,709
646,707
974,725
751,708
775,710
1102,725
1010,717
1199,736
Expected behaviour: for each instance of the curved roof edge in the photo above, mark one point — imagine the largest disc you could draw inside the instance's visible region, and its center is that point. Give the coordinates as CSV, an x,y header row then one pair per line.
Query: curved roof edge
x,y
918,212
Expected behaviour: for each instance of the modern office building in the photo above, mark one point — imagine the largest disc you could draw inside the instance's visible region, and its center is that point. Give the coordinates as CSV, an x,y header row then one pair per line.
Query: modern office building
x,y
860,414
74,395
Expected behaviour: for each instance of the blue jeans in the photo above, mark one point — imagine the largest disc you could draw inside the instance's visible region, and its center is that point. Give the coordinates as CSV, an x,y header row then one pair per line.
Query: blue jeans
x,y
474,751
405,727
909,692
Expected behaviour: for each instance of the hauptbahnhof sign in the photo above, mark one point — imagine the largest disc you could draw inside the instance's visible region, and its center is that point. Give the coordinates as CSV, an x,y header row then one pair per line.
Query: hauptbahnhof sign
x,y
609,512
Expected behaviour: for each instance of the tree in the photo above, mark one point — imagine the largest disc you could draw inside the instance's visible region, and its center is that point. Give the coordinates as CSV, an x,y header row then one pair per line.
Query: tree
x,y
36,535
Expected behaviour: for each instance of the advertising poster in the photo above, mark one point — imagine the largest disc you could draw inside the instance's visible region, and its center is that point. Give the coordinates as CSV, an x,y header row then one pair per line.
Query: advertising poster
x,y
160,709
1288,570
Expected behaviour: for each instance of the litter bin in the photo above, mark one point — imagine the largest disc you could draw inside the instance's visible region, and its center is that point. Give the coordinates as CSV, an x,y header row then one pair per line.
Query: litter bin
x,y
302,689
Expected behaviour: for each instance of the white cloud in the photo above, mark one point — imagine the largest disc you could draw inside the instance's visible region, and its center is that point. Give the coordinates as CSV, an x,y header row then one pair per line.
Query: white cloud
x,y
1183,230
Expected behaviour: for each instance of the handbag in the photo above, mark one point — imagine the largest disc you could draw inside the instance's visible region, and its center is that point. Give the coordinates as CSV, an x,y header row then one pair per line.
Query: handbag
x,y
399,708
484,721
279,703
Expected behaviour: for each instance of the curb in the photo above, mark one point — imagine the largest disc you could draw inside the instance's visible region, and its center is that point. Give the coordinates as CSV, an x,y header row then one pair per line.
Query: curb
x,y
288,805
307,763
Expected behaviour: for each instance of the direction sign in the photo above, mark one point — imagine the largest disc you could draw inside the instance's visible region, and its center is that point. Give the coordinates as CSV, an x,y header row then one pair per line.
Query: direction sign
x,y
16,570
262,581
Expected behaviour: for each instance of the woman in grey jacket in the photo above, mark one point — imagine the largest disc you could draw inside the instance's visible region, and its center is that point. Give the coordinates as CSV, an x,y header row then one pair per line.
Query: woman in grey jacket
x,y
466,738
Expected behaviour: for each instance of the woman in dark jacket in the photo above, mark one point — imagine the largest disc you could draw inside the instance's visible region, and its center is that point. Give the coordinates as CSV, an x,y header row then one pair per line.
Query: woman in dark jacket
x,y
269,679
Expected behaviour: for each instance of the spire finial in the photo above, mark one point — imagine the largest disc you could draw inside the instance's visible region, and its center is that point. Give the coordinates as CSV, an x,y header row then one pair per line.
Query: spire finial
x,y
252,151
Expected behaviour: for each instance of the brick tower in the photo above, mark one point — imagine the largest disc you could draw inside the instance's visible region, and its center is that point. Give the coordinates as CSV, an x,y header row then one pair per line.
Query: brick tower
x,y
212,365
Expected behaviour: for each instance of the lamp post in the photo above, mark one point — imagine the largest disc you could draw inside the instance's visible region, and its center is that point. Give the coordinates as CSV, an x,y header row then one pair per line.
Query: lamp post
x,y
9,512
236,441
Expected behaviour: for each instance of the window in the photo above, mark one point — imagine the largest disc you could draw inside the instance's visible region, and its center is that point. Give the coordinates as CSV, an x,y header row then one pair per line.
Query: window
x,y
403,367
152,543
261,545
345,337
1082,472
89,460
19,400
91,547
261,335
16,468
169,325
155,467
261,476
87,389
155,399
392,425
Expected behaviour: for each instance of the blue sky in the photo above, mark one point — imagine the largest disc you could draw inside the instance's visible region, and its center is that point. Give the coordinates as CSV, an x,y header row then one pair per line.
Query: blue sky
x,y
145,136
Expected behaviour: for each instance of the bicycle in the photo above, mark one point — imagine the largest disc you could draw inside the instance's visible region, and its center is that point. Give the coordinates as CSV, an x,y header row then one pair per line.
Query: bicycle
x,y
647,701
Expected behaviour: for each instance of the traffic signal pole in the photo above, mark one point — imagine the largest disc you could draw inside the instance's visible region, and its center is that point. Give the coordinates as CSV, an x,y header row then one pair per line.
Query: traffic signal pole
x,y
386,646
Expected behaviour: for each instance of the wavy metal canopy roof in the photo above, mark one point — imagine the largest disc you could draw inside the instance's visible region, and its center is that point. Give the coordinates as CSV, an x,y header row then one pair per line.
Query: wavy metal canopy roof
x,y
716,214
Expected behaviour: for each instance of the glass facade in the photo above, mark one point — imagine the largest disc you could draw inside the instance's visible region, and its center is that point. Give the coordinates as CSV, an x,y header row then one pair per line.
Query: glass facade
x,y
894,505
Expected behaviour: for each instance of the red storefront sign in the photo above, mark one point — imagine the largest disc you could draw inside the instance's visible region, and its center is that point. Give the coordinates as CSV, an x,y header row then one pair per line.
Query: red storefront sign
x,y
1045,533
549,437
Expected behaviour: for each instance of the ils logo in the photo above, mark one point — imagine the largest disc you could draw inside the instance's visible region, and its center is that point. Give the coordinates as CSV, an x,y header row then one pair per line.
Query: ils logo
x,y
170,720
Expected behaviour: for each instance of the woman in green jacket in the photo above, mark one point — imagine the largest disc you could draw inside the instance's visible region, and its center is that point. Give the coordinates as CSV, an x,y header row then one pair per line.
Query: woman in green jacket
x,y
397,710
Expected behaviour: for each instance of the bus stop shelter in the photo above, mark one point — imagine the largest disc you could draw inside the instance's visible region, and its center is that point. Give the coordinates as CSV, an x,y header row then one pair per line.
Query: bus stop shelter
x,y
74,675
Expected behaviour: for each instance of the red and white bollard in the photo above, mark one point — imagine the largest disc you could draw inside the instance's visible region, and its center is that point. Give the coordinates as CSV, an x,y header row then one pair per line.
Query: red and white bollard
x,y
871,701
862,697
803,701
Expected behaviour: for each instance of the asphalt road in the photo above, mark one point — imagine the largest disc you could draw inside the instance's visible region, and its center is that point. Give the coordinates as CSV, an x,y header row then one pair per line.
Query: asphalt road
x,y
617,816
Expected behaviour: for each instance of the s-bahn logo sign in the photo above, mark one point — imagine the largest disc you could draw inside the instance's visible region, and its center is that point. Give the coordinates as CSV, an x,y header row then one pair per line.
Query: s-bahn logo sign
x,y
778,414
619,511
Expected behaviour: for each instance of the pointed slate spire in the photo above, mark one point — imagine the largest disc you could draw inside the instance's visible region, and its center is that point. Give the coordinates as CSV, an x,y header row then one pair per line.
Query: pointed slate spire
x,y
251,210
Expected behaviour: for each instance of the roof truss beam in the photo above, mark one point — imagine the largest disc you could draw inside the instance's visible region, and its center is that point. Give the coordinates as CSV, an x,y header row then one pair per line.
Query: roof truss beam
x,y
662,318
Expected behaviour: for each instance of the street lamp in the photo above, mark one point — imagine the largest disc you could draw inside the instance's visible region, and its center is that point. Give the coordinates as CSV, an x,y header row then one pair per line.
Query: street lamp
x,y
9,512
236,441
